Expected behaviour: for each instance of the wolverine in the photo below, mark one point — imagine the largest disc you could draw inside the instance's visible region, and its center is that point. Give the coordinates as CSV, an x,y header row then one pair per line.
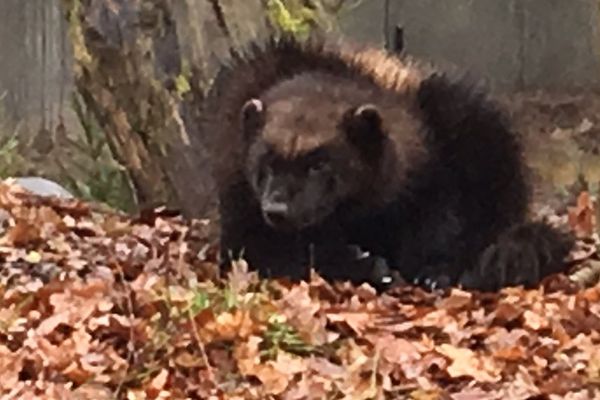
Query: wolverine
x,y
370,168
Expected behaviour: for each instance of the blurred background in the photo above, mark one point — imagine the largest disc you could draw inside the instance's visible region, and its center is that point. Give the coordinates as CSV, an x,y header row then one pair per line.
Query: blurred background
x,y
101,96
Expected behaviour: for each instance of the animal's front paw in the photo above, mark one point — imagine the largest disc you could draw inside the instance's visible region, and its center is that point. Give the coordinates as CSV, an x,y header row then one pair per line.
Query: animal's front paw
x,y
383,277
373,270
522,256
433,277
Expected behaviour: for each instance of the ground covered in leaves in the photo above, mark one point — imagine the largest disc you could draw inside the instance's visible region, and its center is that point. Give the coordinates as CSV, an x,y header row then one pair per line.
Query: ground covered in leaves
x,y
95,305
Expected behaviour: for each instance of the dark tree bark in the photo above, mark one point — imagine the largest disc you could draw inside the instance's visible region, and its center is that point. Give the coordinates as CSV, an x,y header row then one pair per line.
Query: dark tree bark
x,y
143,67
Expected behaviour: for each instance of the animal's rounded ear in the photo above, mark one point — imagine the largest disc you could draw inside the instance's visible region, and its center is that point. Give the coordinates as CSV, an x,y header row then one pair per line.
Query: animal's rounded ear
x,y
252,117
369,116
364,128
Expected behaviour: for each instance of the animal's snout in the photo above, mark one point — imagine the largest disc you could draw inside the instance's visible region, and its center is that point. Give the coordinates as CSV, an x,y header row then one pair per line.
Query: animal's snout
x,y
275,213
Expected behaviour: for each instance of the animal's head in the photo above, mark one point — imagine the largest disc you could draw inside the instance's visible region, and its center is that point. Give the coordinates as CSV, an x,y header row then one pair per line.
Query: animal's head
x,y
304,159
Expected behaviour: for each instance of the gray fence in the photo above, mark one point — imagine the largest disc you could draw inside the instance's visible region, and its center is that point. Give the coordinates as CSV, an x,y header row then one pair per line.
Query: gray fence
x,y
514,44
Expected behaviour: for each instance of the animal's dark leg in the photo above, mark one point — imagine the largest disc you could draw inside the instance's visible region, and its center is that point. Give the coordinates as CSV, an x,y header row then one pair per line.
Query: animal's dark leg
x,y
338,257
523,255
350,263
438,247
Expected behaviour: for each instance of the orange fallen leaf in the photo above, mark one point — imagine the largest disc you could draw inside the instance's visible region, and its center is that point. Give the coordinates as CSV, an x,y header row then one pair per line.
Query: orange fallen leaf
x,y
157,384
534,321
357,321
582,217
456,300
466,362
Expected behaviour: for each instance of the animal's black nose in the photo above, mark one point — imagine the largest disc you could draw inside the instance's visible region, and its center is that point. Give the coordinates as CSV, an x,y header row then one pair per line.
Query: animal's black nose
x,y
275,213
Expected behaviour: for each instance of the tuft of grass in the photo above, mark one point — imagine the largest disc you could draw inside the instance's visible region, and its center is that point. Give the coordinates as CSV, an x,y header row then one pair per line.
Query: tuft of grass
x,y
298,20
301,17
100,177
75,155
11,162
280,336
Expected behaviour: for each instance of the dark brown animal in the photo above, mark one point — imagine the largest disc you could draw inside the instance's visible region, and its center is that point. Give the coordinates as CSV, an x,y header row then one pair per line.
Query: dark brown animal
x,y
323,150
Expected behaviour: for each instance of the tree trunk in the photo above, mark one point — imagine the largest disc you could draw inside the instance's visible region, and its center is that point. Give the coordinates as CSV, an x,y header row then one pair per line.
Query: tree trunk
x,y
32,81
142,67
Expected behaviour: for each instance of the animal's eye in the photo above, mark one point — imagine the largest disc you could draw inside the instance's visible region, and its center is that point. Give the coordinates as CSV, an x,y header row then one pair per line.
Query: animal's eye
x,y
317,166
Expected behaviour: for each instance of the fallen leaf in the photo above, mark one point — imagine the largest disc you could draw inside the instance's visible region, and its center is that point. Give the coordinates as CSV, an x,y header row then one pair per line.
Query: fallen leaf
x,y
466,363
582,217
357,321
534,321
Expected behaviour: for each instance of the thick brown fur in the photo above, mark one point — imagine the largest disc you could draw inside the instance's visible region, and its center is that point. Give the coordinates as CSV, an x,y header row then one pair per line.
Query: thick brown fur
x,y
249,73
442,200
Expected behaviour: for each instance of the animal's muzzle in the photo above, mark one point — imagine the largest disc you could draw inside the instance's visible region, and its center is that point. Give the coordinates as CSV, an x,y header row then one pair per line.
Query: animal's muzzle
x,y
275,213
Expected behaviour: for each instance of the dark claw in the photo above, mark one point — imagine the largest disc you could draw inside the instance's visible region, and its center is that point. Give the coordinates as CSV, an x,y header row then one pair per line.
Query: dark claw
x,y
382,276
431,278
